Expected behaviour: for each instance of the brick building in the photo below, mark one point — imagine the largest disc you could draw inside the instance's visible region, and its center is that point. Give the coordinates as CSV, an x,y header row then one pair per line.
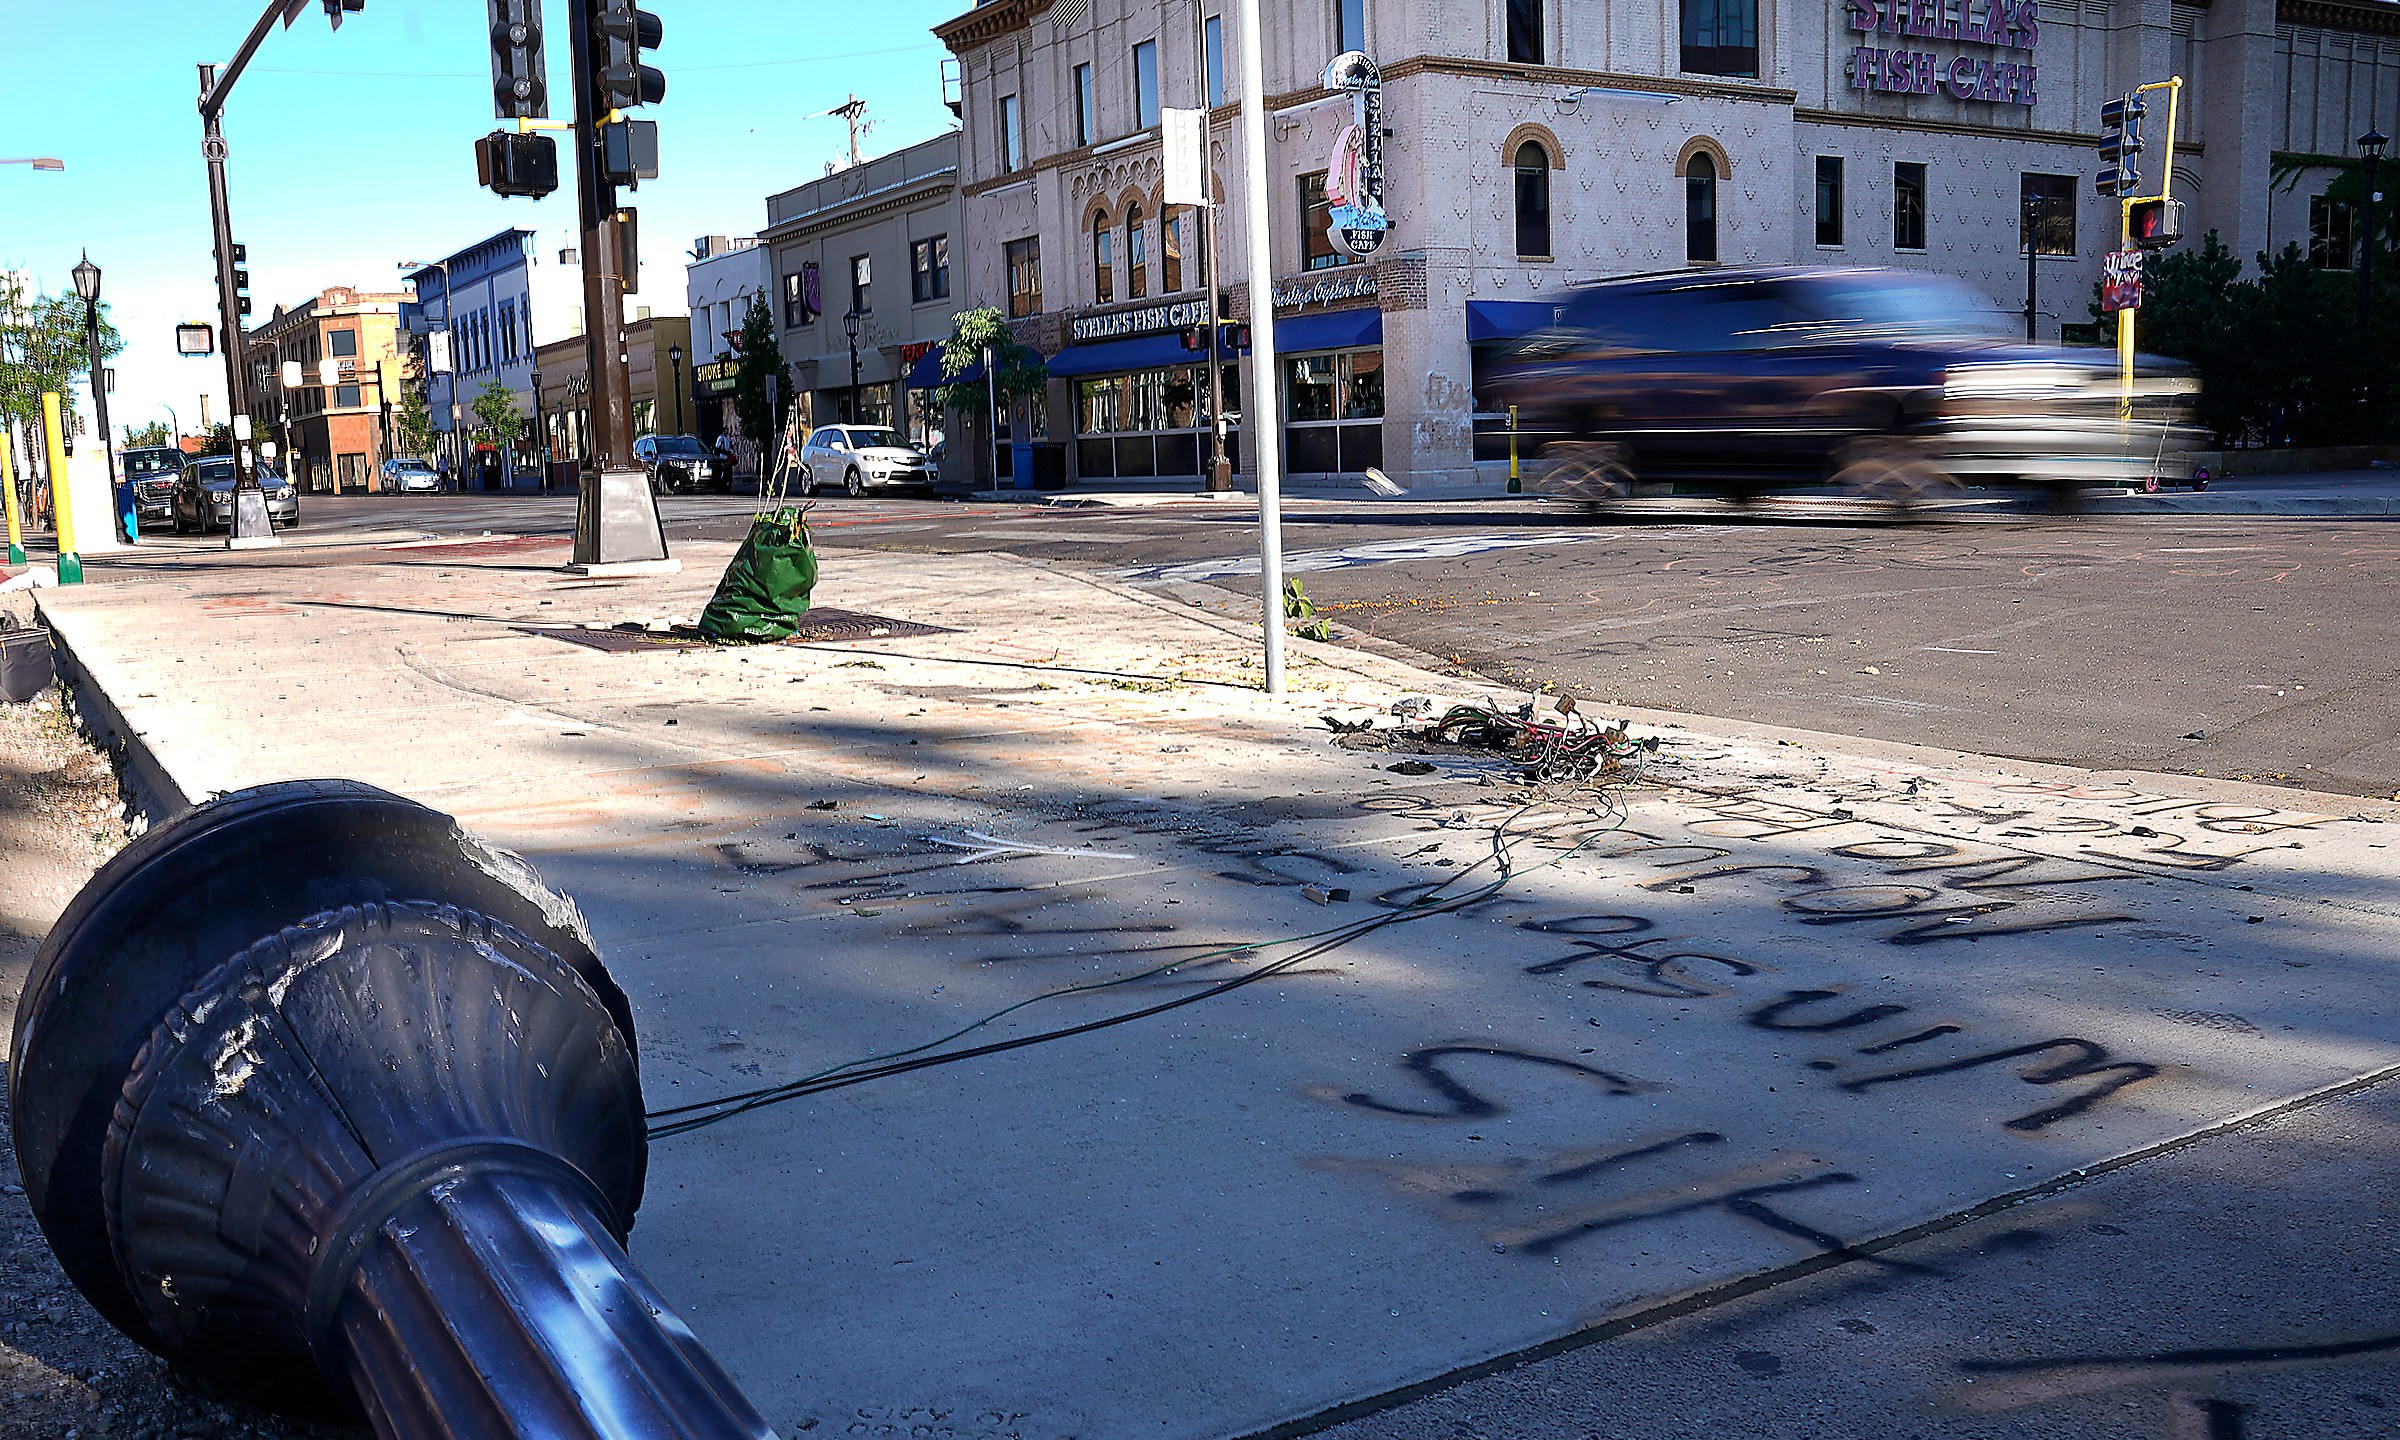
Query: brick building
x,y
336,436
1532,144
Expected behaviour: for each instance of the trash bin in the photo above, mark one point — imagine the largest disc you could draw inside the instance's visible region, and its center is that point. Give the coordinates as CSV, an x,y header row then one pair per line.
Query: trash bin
x,y
1020,464
1049,465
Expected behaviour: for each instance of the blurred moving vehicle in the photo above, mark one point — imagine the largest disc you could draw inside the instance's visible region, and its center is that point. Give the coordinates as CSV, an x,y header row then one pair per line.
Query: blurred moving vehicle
x,y
1897,386
861,456
411,477
151,469
204,496
674,462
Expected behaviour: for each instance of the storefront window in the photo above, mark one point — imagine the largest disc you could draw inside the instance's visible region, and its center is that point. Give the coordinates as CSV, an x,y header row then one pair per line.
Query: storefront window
x,y
1333,412
1151,422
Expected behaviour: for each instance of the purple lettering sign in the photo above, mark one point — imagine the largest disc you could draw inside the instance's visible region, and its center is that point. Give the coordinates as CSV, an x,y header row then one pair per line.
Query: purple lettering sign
x,y
2008,24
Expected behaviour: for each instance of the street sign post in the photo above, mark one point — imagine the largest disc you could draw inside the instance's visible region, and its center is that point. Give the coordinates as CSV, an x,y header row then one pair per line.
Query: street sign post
x,y
2121,281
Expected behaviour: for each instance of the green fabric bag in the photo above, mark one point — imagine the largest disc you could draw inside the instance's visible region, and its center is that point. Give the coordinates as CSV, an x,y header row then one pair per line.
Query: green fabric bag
x,y
765,589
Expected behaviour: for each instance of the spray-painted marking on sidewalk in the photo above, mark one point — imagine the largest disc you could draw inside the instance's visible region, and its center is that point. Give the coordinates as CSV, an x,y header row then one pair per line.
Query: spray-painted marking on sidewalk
x,y
1351,557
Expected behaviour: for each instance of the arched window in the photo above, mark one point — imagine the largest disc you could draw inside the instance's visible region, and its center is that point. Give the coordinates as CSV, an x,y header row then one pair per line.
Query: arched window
x,y
1171,227
1137,253
1104,262
1700,210
1533,202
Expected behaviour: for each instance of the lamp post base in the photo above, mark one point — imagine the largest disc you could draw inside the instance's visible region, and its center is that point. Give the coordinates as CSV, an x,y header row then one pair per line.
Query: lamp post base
x,y
252,530
616,522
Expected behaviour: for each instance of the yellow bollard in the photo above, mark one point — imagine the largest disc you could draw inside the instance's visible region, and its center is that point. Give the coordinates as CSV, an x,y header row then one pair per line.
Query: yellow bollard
x,y
1516,485
8,481
70,564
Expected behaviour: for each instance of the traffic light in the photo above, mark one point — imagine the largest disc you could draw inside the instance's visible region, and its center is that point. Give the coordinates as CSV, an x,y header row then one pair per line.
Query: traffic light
x,y
629,152
2121,146
620,33
335,10
241,279
520,81
507,163
2154,224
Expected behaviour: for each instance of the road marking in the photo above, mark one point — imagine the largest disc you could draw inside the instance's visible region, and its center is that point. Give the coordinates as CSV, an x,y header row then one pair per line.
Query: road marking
x,y
1954,650
1351,557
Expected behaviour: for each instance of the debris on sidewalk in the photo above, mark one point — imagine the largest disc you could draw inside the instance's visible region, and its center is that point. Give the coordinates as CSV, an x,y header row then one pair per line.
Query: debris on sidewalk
x,y
1566,747
765,589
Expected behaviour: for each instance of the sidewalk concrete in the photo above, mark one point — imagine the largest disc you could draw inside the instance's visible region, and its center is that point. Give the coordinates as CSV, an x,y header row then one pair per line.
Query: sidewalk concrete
x,y
1792,999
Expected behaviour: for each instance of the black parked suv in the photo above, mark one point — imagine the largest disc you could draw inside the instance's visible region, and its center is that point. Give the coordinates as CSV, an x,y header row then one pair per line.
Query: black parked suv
x,y
152,469
1894,385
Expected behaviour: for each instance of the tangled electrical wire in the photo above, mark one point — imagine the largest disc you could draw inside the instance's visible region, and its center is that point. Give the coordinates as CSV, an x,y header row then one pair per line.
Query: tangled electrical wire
x,y
1440,899
1570,752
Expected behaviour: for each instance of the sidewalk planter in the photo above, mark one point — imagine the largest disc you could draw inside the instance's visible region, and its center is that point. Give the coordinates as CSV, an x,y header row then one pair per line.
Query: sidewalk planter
x,y
26,665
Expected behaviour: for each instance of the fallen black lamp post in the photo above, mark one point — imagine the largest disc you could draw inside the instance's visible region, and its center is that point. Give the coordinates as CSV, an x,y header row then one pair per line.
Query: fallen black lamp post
x,y
335,1107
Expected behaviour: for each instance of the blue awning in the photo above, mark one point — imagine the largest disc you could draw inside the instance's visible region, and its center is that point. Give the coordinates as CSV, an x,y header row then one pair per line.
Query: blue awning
x,y
1508,319
1329,330
927,372
1109,357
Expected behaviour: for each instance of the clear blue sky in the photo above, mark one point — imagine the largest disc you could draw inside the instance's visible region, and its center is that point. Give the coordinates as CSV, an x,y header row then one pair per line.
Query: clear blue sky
x,y
352,151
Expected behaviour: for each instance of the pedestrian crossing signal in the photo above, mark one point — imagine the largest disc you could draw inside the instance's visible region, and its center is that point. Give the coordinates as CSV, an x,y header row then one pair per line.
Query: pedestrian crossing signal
x,y
2154,224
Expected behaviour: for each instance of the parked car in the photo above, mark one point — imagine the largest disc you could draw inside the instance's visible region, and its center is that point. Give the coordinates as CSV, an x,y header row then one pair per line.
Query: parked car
x,y
152,470
1895,385
204,496
860,457
675,462
409,476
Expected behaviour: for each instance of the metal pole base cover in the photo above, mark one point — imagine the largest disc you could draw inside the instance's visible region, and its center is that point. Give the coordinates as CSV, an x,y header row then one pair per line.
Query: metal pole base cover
x,y
617,526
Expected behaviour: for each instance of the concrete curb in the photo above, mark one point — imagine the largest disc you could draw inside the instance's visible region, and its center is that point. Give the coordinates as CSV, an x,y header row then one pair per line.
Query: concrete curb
x,y
2213,502
154,789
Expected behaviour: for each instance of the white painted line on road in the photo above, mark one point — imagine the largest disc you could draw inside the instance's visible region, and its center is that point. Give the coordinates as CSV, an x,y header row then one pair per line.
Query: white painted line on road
x,y
1383,552
1954,650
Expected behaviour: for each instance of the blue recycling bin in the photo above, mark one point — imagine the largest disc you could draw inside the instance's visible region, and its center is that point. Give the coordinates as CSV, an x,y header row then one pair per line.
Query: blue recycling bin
x,y
1020,464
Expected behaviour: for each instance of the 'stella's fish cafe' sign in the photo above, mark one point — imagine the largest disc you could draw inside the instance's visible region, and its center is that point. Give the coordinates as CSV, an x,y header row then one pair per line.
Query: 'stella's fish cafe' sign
x,y
2012,24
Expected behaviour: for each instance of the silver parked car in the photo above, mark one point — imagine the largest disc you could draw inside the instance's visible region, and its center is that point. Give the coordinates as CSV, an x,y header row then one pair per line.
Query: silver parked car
x,y
860,457
409,476
204,496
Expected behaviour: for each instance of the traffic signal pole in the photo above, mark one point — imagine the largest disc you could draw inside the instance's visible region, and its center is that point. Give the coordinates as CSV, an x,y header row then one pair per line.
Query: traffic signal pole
x,y
2173,85
617,529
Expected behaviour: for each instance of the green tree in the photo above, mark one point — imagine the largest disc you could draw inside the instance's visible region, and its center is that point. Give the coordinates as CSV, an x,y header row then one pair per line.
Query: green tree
x,y
497,419
217,439
1018,370
761,362
412,425
43,347
153,434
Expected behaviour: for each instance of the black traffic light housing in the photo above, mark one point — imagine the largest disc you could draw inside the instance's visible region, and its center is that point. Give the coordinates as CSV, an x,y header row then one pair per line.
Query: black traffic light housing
x,y
629,152
334,11
621,31
2154,224
241,279
2121,146
520,79
511,164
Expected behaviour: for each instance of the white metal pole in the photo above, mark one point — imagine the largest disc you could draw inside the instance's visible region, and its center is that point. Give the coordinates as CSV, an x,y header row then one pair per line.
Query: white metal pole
x,y
1262,407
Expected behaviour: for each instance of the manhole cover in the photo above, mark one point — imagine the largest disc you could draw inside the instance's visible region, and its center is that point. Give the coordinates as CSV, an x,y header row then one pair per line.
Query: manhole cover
x,y
816,627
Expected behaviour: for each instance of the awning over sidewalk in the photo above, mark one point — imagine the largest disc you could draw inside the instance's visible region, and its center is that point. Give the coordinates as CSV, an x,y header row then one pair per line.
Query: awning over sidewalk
x,y
1509,319
1108,357
1329,330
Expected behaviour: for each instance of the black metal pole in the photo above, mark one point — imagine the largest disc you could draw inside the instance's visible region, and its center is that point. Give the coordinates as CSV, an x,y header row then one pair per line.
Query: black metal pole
x,y
2366,261
2033,245
250,525
1220,469
91,329
853,380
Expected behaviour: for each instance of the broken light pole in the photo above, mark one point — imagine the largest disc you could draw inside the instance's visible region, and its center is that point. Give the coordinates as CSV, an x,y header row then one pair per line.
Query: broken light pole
x,y
330,1104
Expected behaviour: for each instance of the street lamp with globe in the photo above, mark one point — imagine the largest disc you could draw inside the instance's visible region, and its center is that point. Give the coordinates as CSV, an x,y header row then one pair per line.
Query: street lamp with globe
x,y
675,359
87,284
2370,149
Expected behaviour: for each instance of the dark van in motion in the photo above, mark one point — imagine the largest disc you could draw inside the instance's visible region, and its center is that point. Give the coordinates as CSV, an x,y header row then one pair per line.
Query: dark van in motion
x,y
1896,386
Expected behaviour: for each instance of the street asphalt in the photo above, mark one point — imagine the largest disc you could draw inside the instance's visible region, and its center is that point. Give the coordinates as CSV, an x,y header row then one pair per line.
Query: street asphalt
x,y
2252,647
1818,1085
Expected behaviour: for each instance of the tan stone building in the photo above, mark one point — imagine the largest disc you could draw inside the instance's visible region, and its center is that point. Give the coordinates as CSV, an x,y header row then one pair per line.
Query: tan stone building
x,y
336,435
658,352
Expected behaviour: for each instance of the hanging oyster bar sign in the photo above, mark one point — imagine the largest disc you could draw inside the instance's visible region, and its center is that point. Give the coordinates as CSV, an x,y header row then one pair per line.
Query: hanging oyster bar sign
x,y
2009,24
1355,219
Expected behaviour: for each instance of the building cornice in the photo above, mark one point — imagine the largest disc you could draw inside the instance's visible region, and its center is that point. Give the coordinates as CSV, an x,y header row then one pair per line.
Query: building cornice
x,y
1561,75
2364,17
898,196
986,23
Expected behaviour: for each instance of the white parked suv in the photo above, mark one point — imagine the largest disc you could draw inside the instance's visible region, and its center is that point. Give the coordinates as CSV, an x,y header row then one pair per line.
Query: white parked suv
x,y
860,457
